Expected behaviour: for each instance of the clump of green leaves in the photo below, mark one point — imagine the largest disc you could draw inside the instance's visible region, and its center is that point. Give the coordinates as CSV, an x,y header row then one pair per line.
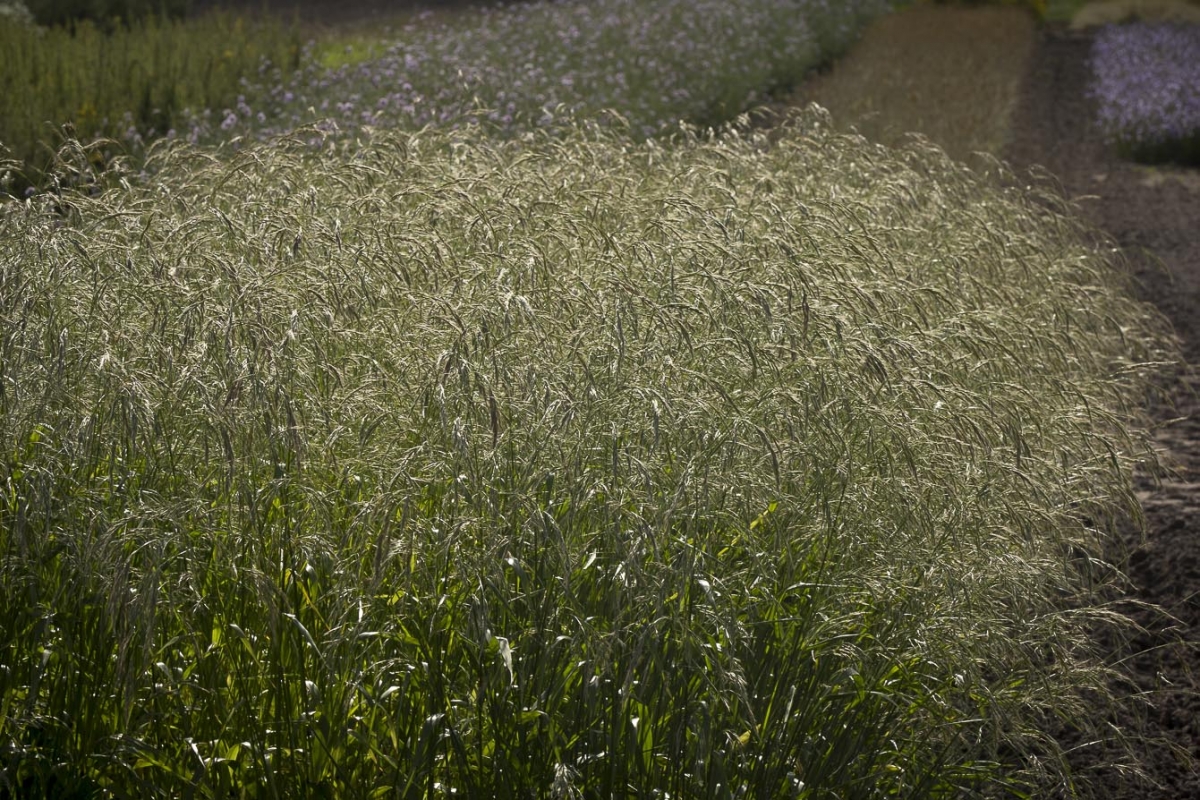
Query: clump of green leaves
x,y
127,84
752,465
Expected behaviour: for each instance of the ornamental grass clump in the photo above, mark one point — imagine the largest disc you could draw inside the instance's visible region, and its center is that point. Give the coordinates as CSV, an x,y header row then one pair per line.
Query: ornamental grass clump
x,y
560,467
1146,82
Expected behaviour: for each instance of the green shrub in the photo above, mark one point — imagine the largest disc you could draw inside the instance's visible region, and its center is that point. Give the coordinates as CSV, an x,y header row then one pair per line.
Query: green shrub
x,y
762,465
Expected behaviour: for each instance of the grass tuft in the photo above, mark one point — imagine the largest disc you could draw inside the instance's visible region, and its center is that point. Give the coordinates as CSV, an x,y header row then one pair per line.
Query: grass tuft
x,y
731,465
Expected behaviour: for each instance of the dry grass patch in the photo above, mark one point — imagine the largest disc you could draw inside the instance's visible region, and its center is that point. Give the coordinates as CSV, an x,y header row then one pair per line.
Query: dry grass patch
x,y
951,74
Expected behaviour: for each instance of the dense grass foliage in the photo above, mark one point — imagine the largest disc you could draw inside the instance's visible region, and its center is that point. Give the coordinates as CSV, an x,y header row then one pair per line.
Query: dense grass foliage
x,y
563,467
1147,87
131,83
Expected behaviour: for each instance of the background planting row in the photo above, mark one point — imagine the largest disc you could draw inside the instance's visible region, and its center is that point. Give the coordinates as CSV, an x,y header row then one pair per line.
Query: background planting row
x,y
1147,88
516,68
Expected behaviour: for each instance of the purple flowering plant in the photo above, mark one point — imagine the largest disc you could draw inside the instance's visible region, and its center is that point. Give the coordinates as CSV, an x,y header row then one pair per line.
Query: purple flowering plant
x,y
537,65
1146,84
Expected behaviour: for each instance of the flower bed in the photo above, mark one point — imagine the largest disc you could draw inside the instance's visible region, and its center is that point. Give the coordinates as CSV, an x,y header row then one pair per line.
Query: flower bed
x,y
526,66
1147,85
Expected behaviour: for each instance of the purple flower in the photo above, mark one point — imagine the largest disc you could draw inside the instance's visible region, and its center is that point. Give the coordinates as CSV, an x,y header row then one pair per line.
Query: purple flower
x,y
1146,84
654,62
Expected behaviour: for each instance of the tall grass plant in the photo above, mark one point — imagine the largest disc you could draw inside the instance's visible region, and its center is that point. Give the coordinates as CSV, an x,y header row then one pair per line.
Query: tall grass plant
x,y
752,465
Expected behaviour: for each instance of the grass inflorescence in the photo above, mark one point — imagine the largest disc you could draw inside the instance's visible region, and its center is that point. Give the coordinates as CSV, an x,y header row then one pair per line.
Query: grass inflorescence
x,y
740,465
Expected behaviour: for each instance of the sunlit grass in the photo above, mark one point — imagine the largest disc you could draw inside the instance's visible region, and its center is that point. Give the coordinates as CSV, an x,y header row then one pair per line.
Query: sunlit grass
x,y
763,465
354,42
347,51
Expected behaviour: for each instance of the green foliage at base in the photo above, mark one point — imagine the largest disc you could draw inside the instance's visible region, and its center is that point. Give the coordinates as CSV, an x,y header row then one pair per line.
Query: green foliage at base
x,y
765,465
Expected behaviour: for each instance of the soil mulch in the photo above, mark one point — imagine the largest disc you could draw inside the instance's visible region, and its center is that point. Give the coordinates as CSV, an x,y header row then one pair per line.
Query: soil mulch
x,y
1153,214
